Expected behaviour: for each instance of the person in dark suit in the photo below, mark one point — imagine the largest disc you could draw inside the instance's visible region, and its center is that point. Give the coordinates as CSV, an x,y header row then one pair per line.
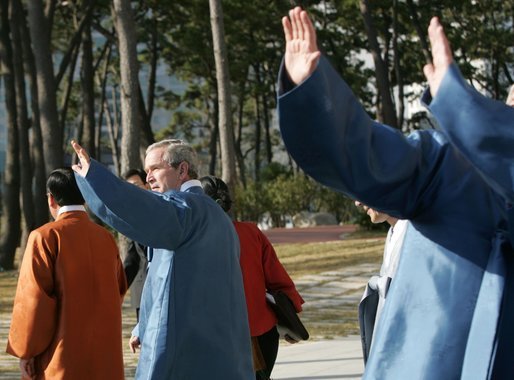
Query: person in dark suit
x,y
135,262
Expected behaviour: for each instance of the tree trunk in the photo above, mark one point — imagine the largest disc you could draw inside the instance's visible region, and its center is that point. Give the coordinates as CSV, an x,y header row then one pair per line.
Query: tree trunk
x,y
257,157
40,36
112,129
384,88
23,123
103,84
265,116
239,135
215,132
397,68
129,89
147,136
154,56
88,91
419,31
10,220
41,214
67,93
228,165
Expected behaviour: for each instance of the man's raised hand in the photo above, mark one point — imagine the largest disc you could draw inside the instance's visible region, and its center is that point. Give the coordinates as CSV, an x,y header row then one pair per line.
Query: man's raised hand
x,y
302,53
83,166
441,56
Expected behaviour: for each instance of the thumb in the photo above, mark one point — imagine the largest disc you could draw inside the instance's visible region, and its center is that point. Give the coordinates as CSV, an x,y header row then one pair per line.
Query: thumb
x,y
428,70
76,168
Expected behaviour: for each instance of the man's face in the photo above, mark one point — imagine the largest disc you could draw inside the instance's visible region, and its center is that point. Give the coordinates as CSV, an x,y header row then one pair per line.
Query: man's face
x,y
160,175
136,180
374,215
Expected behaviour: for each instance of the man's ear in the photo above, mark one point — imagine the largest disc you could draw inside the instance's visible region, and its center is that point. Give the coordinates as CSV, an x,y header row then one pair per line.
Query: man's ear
x,y
52,202
183,169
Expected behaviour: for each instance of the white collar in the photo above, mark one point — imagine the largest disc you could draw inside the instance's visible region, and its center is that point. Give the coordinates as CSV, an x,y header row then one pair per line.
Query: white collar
x,y
191,183
63,209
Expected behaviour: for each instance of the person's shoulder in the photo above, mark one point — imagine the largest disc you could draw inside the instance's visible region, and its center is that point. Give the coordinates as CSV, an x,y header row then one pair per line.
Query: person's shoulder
x,y
100,230
249,228
47,232
48,228
246,225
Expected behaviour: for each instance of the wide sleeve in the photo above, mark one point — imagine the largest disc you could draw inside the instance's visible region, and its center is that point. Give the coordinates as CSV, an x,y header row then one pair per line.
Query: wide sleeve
x,y
332,138
34,316
275,275
153,219
482,129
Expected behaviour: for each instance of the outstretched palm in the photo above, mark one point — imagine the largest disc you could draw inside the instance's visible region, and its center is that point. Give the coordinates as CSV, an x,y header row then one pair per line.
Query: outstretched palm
x,y
302,51
83,166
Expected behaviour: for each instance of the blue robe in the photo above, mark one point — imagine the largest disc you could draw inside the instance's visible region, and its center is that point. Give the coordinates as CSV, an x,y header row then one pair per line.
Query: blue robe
x,y
444,305
483,130
193,320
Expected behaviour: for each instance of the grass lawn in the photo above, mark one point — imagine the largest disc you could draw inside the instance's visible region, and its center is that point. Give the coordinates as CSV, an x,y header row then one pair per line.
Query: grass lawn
x,y
300,260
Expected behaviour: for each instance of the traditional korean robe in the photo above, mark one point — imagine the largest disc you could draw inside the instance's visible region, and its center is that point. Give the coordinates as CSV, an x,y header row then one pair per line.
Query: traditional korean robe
x,y
193,322
67,309
483,130
443,316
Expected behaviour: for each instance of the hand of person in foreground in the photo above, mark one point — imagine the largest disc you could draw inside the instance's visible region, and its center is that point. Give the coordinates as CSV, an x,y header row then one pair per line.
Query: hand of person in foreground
x,y
84,161
134,343
27,368
289,339
510,98
442,56
302,53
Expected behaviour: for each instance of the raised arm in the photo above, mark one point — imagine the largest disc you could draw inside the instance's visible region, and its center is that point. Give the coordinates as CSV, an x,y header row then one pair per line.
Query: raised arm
x,y
480,127
139,214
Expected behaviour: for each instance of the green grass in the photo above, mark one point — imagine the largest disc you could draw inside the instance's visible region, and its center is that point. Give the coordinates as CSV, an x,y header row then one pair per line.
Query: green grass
x,y
314,258
298,259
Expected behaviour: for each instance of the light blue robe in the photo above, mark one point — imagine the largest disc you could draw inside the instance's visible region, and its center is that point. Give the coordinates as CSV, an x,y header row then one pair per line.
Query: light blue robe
x,y
193,320
483,130
443,307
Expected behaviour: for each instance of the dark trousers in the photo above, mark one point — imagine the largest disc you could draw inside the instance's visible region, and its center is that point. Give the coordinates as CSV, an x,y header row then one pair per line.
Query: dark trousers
x,y
268,343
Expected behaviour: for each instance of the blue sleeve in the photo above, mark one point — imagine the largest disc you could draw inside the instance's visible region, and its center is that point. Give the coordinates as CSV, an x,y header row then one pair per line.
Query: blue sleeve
x,y
332,138
481,128
153,219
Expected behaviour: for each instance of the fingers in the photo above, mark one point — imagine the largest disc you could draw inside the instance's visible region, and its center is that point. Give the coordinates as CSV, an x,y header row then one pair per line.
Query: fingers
x,y
134,344
428,70
309,31
286,25
81,152
299,23
441,52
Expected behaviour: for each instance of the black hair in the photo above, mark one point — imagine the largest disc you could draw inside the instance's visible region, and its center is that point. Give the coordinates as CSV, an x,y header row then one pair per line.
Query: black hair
x,y
132,172
215,188
62,185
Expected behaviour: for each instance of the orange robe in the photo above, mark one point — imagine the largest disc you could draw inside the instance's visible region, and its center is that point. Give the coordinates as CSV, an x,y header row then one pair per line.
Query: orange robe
x,y
67,309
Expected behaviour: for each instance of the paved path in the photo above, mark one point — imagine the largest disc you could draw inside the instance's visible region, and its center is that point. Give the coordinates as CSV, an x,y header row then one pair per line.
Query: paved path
x,y
326,359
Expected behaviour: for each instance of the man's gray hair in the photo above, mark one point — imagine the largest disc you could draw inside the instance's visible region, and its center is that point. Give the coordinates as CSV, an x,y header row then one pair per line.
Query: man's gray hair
x,y
178,151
